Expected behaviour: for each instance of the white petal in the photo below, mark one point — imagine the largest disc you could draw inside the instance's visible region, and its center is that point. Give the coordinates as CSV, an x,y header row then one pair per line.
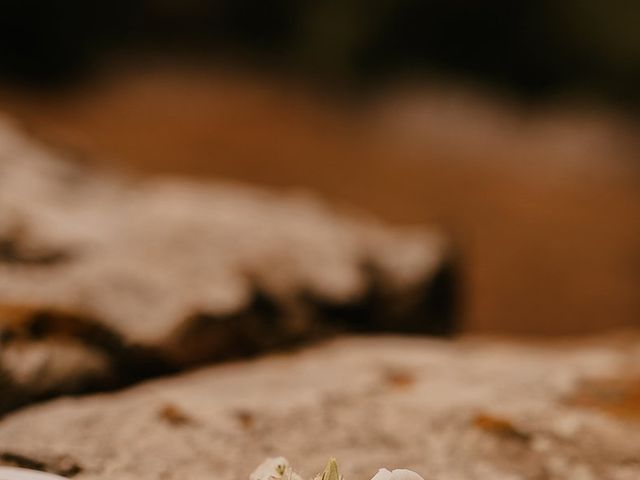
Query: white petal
x,y
383,474
404,474
270,468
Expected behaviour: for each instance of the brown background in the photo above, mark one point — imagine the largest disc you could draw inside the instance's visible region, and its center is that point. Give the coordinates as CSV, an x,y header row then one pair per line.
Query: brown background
x,y
542,203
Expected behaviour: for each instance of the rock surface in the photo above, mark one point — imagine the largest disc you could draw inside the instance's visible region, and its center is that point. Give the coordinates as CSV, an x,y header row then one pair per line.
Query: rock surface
x,y
105,279
464,410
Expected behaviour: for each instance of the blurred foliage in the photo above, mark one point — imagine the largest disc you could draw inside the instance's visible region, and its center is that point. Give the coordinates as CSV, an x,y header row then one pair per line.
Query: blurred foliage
x,y
535,47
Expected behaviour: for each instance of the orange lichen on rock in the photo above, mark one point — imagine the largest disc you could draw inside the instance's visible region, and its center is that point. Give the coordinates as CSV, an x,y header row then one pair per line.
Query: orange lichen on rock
x,y
618,396
400,379
174,415
499,426
246,419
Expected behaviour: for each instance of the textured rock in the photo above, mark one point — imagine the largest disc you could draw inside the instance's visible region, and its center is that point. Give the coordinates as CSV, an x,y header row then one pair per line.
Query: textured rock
x,y
472,409
105,279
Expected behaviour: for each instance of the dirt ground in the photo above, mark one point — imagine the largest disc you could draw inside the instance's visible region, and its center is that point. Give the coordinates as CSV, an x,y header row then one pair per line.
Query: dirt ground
x,y
542,202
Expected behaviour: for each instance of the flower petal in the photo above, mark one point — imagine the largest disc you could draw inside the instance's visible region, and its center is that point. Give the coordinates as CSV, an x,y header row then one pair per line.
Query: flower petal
x,y
404,474
383,474
271,468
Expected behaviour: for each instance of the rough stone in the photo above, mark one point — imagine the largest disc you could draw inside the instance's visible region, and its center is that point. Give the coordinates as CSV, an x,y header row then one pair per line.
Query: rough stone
x,y
107,278
478,409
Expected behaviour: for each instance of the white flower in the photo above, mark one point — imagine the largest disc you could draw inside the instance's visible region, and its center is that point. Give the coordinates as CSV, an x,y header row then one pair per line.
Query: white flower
x,y
277,468
398,474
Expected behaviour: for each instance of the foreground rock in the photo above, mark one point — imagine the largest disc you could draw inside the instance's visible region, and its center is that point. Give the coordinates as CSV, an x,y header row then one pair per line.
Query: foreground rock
x,y
105,279
475,410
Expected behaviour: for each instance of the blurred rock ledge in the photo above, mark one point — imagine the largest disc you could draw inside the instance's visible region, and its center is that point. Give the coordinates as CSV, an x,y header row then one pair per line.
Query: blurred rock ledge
x,y
106,279
543,199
